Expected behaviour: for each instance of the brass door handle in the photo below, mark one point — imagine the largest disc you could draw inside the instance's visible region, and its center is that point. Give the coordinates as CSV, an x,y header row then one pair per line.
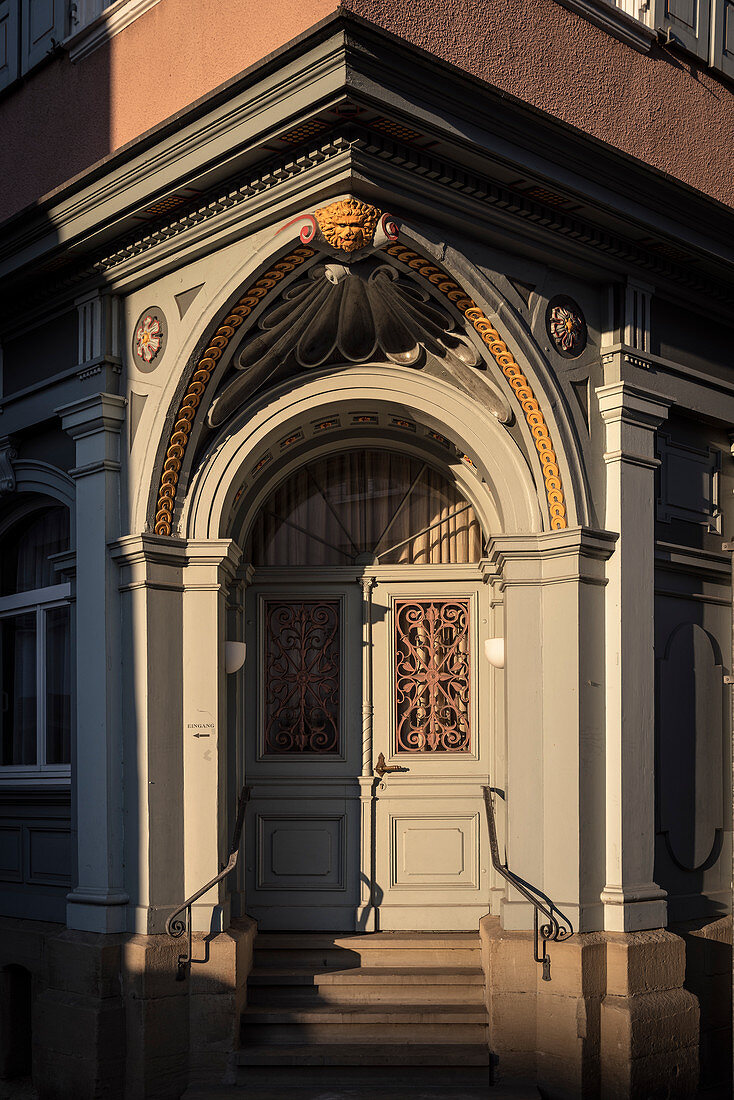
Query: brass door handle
x,y
381,767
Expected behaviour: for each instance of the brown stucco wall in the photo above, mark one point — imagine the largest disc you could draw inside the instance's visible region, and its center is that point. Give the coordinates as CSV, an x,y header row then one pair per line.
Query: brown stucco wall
x,y
657,107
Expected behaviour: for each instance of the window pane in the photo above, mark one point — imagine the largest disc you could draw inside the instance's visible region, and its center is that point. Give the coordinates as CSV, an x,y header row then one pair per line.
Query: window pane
x,y
432,676
58,686
18,709
24,562
302,676
362,507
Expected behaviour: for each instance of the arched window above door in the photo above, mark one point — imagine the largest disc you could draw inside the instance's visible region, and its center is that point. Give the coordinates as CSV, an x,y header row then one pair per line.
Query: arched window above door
x,y
360,507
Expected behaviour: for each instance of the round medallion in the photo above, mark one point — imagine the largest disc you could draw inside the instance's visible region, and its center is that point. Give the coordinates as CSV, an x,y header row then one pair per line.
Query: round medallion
x,y
149,339
566,326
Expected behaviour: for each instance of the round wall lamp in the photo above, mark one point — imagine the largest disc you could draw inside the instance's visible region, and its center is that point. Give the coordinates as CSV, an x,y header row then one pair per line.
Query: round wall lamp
x,y
234,656
494,651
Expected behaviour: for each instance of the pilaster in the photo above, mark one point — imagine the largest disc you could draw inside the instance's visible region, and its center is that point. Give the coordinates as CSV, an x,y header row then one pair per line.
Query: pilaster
x,y
210,568
553,628
632,900
97,903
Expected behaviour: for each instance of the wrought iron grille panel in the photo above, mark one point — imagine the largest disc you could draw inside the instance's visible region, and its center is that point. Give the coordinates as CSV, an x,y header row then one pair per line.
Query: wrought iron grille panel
x,y
302,676
432,676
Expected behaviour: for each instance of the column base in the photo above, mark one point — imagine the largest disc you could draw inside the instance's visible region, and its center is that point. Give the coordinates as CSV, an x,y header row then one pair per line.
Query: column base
x,y
90,910
634,908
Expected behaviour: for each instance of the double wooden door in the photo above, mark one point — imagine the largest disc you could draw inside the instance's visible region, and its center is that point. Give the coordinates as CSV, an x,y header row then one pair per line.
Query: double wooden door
x,y
366,747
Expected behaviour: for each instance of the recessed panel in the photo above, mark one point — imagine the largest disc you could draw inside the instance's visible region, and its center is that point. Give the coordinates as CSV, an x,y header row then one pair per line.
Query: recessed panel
x,y
301,853
10,854
434,851
49,855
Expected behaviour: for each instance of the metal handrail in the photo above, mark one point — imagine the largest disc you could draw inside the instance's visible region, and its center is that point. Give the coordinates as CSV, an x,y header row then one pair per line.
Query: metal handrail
x,y
556,929
176,927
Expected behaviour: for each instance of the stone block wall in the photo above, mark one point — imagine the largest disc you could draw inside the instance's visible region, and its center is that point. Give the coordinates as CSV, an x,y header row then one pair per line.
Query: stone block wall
x,y
625,1015
110,1017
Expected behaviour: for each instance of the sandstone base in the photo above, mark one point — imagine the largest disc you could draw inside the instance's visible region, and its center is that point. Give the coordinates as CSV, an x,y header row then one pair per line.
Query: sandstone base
x,y
109,1017
625,1015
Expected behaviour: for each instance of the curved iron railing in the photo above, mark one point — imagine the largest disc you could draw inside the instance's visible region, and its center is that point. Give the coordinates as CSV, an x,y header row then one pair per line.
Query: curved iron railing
x,y
175,927
558,926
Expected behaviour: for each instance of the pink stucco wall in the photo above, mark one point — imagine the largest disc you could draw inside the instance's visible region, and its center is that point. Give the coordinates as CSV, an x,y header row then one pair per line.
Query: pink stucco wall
x,y
658,107
655,107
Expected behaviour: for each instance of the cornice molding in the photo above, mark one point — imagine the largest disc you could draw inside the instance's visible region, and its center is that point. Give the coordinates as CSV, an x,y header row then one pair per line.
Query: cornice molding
x,y
222,148
112,20
392,167
614,21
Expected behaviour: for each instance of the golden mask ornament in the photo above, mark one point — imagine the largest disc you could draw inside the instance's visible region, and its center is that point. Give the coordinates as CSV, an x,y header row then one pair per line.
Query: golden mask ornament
x,y
348,224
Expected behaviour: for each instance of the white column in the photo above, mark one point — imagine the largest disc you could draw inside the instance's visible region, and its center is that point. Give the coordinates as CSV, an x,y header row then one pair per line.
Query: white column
x,y
97,904
632,900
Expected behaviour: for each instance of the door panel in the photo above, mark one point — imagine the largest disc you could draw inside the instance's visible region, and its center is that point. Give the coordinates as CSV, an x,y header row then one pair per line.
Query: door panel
x,y
302,756
431,702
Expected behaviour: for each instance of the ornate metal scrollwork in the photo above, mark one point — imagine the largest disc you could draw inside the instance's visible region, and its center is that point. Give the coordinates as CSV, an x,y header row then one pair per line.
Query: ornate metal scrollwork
x,y
432,676
302,676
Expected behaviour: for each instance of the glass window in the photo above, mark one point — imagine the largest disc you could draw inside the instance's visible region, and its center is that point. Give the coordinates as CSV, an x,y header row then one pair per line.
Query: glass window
x,y
363,507
35,647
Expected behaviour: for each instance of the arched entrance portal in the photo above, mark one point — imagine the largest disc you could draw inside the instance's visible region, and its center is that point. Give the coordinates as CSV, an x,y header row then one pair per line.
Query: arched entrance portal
x,y
366,700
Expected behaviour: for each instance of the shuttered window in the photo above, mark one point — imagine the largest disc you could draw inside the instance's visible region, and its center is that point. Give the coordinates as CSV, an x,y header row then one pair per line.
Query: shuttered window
x,y
9,43
43,25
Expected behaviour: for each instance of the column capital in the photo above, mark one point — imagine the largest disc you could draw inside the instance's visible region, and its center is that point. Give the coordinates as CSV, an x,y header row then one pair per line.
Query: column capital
x,y
102,412
619,401
548,556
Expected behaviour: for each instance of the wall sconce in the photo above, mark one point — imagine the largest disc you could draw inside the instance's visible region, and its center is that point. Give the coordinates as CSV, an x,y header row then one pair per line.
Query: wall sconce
x,y
234,656
494,651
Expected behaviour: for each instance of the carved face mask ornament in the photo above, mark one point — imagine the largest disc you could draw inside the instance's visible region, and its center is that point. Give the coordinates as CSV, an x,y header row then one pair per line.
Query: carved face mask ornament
x,y
348,225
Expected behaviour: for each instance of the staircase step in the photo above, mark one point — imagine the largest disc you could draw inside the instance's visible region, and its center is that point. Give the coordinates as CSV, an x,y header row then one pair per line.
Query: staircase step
x,y
379,1033
392,1055
366,1014
403,975
379,949
360,940
337,958
377,993
367,985
340,1091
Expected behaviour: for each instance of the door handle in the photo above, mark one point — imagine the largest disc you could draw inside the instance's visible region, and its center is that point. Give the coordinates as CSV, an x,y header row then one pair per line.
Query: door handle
x,y
381,768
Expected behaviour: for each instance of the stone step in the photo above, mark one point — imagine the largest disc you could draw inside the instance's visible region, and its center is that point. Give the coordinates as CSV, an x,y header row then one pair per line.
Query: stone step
x,y
366,975
418,1015
393,1056
342,1091
367,985
376,993
377,949
378,1033
358,940
340,958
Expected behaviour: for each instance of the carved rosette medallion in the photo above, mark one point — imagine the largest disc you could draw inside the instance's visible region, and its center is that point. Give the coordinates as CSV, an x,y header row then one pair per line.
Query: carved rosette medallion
x,y
149,339
566,327
348,224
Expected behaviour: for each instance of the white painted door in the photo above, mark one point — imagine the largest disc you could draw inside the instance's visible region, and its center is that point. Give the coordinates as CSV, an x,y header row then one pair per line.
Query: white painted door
x,y
302,755
430,722
328,846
